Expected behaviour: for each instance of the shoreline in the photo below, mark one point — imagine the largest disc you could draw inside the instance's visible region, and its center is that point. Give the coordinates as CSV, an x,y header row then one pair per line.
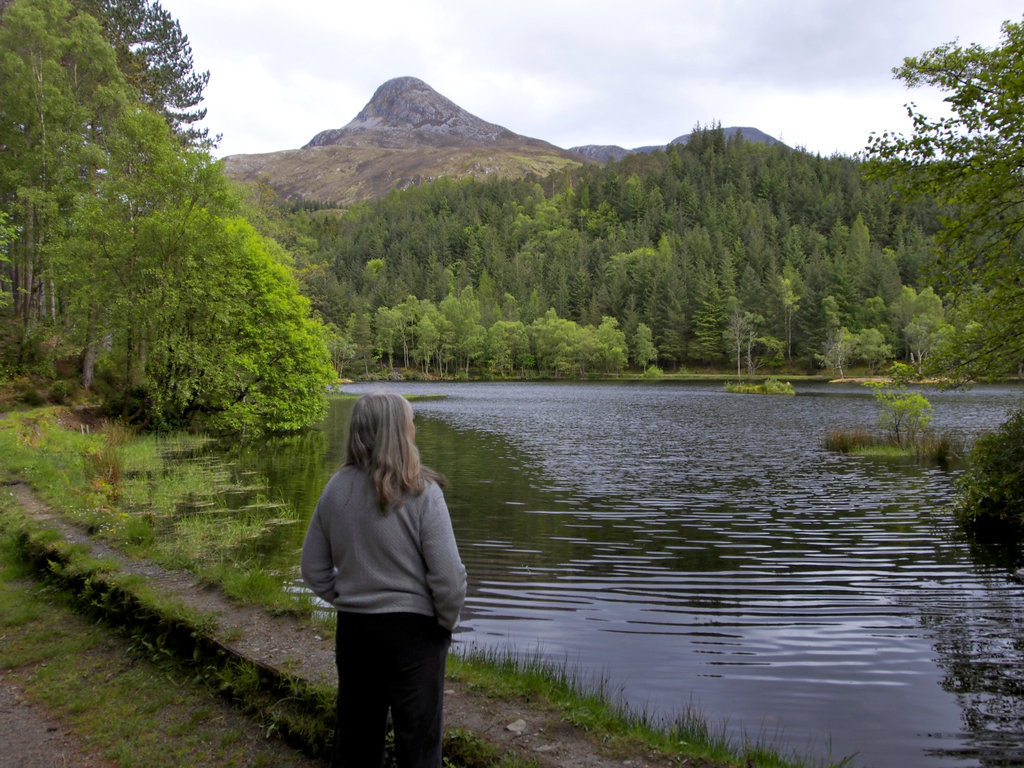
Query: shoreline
x,y
278,662
294,657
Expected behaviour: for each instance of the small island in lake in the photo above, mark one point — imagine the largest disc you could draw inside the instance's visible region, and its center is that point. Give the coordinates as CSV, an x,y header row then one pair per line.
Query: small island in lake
x,y
767,387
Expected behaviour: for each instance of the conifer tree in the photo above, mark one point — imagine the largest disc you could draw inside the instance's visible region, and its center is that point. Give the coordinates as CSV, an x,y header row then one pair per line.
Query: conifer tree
x,y
156,58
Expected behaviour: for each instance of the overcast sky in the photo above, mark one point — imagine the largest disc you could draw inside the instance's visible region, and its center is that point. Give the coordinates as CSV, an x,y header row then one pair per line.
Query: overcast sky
x,y
813,73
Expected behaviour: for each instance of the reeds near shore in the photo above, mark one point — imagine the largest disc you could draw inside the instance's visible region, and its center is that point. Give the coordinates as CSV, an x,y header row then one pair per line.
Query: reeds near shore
x,y
930,446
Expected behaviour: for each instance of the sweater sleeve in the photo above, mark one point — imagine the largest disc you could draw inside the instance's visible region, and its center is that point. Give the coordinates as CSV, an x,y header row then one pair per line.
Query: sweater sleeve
x,y
318,569
446,575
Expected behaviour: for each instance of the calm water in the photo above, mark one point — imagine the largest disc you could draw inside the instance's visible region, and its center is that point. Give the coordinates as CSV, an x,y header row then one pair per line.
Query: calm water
x,y
697,548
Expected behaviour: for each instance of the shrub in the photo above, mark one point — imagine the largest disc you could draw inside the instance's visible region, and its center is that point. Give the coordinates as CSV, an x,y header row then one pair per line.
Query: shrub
x,y
775,387
926,446
30,396
770,387
905,416
990,495
61,390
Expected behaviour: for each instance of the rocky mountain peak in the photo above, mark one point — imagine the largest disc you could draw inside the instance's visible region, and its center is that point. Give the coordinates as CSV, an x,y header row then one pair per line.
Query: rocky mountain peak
x,y
406,112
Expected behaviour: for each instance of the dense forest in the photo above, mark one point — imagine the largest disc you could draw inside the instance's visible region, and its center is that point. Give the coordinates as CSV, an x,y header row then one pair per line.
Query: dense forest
x,y
714,253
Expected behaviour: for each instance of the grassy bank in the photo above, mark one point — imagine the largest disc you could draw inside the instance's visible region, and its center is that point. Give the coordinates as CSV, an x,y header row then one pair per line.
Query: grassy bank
x,y
121,692
589,704
130,493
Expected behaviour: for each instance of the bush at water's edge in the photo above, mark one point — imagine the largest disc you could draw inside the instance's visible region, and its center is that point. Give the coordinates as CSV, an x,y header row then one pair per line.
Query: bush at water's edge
x,y
991,493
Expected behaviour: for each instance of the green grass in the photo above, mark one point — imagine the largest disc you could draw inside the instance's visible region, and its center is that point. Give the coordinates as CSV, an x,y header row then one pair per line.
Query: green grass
x,y
128,491
926,446
153,497
767,387
463,749
121,697
58,463
588,704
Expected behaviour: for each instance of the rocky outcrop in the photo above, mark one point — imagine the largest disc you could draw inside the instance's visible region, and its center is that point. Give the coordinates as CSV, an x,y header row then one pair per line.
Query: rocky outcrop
x,y
406,112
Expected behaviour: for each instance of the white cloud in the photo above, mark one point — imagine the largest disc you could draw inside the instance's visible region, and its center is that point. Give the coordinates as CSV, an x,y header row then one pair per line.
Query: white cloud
x,y
816,72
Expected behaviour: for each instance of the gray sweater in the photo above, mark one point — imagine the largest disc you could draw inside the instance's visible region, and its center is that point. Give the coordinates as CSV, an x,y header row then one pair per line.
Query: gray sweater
x,y
403,562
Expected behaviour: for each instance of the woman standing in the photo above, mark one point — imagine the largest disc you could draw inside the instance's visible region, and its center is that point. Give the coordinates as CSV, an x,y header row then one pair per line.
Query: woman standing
x,y
380,548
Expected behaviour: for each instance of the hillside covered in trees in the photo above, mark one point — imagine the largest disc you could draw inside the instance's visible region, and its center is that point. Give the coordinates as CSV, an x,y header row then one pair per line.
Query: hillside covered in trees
x,y
718,253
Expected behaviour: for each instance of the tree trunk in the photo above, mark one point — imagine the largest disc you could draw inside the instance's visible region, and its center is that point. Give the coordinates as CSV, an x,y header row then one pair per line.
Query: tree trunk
x,y
89,354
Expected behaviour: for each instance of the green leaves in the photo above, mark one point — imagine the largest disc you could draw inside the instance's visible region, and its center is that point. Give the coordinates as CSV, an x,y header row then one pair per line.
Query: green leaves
x,y
904,415
273,368
969,162
155,55
991,492
133,238
59,92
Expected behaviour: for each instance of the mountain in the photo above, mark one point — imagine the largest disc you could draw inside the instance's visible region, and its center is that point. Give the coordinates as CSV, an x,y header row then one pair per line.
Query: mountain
x,y
406,112
602,153
406,134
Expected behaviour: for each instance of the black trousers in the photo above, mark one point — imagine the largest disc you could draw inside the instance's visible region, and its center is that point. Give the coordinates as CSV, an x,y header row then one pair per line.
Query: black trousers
x,y
389,661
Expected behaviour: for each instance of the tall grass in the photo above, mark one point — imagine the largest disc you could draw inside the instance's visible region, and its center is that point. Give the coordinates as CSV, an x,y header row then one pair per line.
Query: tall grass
x,y
589,703
849,440
154,497
928,446
184,509
56,462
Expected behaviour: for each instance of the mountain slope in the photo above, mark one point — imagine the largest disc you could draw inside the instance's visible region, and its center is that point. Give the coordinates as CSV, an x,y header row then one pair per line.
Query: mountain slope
x,y
407,134
406,112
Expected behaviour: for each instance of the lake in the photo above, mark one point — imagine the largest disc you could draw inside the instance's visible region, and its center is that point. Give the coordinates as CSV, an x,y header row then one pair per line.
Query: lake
x,y
700,549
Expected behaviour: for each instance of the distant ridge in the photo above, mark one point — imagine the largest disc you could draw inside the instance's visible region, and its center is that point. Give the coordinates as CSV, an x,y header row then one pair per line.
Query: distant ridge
x,y
602,153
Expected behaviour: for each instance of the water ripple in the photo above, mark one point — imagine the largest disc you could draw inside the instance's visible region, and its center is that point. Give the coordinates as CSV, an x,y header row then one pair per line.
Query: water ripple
x,y
697,546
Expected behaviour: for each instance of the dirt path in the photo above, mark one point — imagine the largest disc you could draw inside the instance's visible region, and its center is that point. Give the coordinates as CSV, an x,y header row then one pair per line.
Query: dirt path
x,y
31,738
285,643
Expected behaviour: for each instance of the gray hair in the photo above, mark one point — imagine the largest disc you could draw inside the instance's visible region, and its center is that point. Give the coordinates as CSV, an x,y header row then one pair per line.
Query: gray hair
x,y
381,442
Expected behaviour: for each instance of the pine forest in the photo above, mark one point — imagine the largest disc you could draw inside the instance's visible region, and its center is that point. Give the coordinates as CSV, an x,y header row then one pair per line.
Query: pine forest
x,y
705,256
